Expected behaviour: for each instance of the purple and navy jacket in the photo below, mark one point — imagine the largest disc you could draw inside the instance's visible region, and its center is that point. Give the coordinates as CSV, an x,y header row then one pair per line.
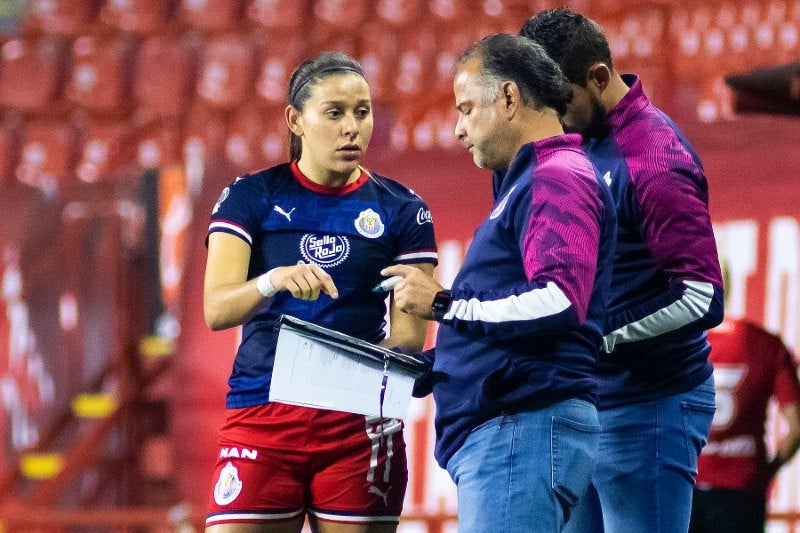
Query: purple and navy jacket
x,y
526,321
666,289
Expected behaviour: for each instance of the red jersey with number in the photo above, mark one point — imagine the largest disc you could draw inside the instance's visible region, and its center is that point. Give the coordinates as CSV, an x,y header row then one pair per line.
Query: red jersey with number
x,y
750,366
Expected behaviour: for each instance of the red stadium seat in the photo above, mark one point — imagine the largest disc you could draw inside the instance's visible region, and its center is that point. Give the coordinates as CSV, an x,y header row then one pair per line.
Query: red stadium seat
x,y
47,156
379,59
164,75
101,72
504,16
211,15
453,15
107,152
413,70
278,14
257,138
205,132
275,69
142,17
398,13
338,24
341,14
158,146
31,74
225,79
449,47
68,18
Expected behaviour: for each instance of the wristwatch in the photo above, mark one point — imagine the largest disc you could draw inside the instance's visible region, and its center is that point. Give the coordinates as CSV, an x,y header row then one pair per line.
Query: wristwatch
x,y
441,304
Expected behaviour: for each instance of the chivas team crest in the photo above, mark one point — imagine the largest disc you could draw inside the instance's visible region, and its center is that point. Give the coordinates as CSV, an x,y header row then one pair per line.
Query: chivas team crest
x,y
228,485
369,224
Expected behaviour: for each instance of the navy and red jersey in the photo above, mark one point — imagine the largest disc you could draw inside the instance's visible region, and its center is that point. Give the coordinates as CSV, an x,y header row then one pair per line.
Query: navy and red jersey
x,y
352,232
751,366
529,301
666,289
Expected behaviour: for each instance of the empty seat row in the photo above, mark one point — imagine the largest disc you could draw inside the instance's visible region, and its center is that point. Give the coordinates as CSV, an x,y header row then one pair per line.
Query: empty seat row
x,y
164,73
55,154
75,17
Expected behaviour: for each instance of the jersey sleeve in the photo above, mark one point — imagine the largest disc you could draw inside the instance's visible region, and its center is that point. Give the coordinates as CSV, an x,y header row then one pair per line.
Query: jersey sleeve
x,y
416,241
672,202
560,240
787,387
238,210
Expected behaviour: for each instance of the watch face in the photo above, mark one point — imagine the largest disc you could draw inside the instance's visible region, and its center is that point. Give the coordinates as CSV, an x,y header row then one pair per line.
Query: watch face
x,y
441,303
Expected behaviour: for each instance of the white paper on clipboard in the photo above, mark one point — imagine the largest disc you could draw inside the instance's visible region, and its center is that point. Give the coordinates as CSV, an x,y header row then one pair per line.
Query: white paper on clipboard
x,y
317,371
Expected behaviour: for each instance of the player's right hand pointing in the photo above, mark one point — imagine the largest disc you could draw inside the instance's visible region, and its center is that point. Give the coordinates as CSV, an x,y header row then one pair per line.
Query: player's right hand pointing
x,y
304,281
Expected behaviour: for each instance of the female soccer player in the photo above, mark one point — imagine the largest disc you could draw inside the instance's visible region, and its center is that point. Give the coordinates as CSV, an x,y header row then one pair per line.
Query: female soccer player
x,y
309,238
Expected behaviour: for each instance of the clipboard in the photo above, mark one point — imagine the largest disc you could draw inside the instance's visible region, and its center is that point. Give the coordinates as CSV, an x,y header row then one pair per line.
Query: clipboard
x,y
319,367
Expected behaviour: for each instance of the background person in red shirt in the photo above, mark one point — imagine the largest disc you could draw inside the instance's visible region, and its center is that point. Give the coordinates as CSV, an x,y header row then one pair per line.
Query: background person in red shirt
x,y
751,366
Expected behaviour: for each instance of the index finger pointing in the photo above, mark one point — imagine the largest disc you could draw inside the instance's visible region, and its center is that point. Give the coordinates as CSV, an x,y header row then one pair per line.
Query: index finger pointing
x,y
328,286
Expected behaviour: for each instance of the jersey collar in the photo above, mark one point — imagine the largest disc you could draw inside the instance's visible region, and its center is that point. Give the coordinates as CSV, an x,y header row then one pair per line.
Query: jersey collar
x,y
325,189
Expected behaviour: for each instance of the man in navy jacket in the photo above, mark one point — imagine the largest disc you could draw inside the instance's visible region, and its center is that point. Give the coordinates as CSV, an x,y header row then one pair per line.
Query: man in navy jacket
x,y
520,330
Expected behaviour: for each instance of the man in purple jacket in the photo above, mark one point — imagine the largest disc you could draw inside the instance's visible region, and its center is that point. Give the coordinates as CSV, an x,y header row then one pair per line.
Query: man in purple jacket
x,y
519,332
655,383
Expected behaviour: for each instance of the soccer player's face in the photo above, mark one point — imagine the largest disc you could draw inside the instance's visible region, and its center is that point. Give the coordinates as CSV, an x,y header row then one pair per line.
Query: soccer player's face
x,y
336,124
479,124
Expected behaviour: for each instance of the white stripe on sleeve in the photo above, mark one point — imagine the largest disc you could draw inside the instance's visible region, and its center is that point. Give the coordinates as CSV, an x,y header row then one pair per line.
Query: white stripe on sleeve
x,y
538,303
693,305
232,227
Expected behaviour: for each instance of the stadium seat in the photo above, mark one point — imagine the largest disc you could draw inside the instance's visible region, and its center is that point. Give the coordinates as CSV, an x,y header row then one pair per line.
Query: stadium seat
x,y
278,14
68,18
340,14
106,152
378,57
225,78
413,70
142,17
398,13
504,16
256,138
158,145
101,74
211,16
452,15
205,129
47,156
275,69
449,47
32,74
164,73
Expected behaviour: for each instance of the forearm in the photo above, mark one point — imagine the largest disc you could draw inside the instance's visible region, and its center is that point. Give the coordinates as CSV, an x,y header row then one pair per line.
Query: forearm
x,y
520,312
231,305
791,441
689,306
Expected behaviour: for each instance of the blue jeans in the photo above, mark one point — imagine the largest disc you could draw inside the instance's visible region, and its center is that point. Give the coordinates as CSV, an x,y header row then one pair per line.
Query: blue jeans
x,y
647,464
522,472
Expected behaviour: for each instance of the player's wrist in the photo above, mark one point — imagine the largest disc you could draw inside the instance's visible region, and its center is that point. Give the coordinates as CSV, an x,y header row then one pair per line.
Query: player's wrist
x,y
264,284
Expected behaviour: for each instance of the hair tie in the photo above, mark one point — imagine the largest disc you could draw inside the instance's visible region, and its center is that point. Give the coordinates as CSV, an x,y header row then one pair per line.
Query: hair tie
x,y
318,74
